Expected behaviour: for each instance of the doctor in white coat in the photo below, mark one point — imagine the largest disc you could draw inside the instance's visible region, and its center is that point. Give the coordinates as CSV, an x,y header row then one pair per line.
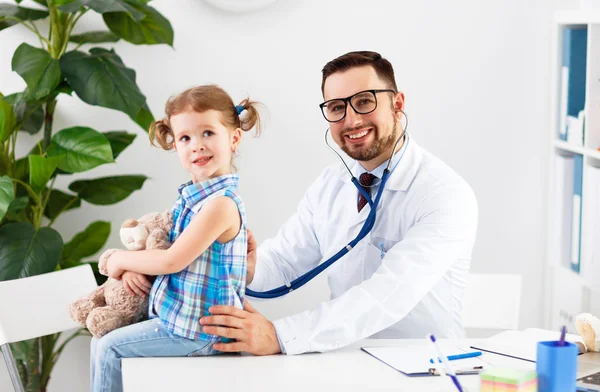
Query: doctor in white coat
x,y
407,277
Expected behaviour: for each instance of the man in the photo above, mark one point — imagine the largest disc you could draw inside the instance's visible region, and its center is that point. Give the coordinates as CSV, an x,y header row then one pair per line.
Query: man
x,y
407,277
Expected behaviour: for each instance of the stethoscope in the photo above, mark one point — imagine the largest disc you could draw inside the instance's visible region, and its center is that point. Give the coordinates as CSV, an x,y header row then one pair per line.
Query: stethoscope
x,y
367,226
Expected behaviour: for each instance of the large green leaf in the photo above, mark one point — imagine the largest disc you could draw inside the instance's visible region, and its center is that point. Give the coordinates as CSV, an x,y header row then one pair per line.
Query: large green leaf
x,y
16,210
88,242
151,30
59,202
7,120
41,169
83,148
144,118
103,6
10,15
119,141
107,190
7,194
21,349
29,114
21,169
27,252
102,79
94,37
40,71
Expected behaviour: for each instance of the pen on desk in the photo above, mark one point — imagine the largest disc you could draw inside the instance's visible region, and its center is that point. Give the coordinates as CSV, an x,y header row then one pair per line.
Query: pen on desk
x,y
563,332
460,356
448,369
461,372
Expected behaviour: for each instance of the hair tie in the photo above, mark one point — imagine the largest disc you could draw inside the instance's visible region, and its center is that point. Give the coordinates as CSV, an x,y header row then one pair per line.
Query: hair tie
x,y
239,109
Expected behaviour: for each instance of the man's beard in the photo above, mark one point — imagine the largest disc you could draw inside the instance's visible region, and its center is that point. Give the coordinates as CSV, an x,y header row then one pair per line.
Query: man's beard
x,y
378,147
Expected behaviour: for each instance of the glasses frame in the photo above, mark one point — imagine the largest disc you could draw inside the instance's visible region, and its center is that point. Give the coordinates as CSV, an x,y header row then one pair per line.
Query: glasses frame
x,y
348,100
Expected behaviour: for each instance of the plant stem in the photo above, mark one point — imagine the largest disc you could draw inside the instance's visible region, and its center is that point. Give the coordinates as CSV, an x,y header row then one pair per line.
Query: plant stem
x,y
48,119
4,163
57,29
69,29
11,156
32,28
48,361
40,36
33,195
45,199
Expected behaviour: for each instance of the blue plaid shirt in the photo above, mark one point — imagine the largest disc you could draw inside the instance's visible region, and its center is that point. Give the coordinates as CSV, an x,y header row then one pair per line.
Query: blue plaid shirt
x,y
216,277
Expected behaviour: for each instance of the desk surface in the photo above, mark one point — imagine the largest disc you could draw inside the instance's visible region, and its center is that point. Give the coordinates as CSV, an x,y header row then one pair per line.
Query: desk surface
x,y
349,368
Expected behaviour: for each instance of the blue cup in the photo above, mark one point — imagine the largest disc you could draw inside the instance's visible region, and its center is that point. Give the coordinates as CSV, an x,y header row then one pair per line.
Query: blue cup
x,y
556,366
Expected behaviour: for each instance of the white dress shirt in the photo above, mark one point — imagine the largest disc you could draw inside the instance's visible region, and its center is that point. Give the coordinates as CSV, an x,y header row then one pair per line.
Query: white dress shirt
x,y
405,279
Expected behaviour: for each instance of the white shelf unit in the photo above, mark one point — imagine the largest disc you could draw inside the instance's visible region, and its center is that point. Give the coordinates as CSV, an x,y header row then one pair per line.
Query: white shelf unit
x,y
568,292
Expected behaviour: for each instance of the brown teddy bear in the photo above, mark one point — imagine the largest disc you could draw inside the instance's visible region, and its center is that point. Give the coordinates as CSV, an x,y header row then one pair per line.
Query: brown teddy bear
x,y
109,306
588,327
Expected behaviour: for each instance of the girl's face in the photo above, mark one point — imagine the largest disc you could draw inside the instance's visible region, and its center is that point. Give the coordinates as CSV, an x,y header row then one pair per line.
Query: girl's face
x,y
204,145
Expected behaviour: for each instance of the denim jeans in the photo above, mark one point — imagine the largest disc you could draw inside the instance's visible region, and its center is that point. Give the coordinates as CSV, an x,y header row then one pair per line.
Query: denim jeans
x,y
146,339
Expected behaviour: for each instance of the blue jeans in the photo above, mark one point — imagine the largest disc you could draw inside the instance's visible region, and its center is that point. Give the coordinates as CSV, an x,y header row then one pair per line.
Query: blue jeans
x,y
146,339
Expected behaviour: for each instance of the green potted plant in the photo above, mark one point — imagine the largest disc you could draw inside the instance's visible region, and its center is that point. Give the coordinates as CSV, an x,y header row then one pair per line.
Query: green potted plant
x,y
29,202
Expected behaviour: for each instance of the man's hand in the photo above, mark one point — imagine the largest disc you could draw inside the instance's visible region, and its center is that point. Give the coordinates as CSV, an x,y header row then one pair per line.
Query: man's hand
x,y
251,264
135,283
251,330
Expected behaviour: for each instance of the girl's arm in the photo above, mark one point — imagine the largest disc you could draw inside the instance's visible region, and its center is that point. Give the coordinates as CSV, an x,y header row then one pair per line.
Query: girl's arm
x,y
219,219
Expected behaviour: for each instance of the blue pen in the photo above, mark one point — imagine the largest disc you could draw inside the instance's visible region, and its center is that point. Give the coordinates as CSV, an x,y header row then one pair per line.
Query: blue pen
x,y
460,356
449,370
563,332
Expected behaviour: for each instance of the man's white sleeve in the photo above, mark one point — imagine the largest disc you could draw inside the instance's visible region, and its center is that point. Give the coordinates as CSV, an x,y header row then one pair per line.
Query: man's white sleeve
x,y
446,226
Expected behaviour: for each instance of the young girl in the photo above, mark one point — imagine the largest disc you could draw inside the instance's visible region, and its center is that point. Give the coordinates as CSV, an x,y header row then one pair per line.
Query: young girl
x,y
206,263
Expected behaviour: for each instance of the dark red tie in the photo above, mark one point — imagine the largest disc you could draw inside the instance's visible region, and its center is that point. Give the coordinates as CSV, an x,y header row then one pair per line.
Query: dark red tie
x,y
365,180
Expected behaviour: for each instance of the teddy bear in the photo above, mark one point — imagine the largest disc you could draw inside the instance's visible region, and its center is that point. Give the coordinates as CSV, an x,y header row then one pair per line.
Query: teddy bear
x,y
109,306
588,327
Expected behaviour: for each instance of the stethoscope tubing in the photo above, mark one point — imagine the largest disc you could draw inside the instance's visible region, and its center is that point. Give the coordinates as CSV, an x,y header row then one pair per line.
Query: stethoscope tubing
x,y
366,228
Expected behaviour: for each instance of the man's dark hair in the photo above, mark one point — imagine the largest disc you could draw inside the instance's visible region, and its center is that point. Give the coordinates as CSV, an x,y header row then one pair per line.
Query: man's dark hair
x,y
382,67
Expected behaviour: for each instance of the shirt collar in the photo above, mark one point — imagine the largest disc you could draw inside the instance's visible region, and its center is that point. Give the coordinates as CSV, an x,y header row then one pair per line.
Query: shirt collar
x,y
193,193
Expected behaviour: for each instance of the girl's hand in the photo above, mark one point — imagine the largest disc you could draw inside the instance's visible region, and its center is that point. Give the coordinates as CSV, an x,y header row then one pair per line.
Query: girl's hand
x,y
136,284
113,265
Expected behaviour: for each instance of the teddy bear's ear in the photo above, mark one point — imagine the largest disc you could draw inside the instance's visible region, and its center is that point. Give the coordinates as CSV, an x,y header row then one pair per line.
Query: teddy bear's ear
x,y
129,223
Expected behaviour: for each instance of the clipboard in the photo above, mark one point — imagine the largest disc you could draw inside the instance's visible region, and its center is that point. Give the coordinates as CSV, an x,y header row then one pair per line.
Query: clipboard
x,y
413,361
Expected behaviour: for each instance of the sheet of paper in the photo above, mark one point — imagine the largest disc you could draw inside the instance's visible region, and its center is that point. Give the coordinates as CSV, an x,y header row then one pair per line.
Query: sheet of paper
x,y
520,344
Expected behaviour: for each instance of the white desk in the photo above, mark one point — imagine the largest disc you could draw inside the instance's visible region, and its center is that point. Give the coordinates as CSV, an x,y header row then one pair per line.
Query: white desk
x,y
348,369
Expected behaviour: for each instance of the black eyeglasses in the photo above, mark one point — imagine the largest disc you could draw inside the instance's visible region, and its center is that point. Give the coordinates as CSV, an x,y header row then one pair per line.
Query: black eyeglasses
x,y
363,102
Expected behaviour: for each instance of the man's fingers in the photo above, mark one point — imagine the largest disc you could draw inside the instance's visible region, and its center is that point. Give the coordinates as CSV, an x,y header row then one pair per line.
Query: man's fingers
x,y
227,321
226,332
227,310
249,308
230,347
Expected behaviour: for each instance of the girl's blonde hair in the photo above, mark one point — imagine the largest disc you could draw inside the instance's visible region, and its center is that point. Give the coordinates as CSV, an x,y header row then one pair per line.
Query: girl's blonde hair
x,y
201,99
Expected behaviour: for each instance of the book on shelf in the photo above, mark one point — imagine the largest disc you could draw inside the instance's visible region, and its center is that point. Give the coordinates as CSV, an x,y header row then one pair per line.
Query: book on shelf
x,y
572,83
576,212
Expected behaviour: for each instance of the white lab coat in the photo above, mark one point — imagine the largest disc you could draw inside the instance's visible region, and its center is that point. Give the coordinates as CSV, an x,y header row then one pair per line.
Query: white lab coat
x,y
426,221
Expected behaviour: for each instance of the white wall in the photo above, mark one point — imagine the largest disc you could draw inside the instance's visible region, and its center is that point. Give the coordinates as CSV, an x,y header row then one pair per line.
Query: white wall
x,y
476,79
